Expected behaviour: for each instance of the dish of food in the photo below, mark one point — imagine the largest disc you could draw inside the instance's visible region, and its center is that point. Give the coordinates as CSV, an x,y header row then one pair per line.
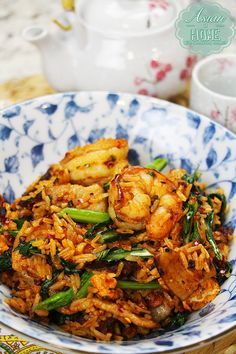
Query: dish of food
x,y
90,255
113,251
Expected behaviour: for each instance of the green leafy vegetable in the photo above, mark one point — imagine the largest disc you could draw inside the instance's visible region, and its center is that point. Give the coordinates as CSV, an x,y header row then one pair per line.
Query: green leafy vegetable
x,y
19,223
60,318
47,283
195,234
158,164
134,285
92,232
118,254
223,270
106,235
193,177
84,284
26,249
13,233
101,256
152,174
209,235
222,198
64,298
85,216
111,236
6,261
228,269
177,320
69,267
106,186
60,299
190,232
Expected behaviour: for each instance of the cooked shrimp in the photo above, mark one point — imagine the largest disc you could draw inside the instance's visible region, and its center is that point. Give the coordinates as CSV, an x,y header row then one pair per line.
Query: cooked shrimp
x,y
97,162
142,198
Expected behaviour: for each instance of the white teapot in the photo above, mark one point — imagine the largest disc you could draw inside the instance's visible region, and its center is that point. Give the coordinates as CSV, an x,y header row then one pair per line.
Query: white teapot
x,y
118,45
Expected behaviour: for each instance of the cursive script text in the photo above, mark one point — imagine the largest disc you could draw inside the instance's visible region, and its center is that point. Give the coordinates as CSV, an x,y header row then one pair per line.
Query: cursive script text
x,y
202,17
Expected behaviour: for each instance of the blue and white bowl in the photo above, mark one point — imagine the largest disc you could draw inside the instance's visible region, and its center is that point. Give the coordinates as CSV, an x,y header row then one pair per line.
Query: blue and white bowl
x,y
37,133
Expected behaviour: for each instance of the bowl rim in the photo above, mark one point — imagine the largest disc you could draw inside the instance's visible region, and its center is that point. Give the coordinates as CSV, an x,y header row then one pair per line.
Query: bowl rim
x,y
120,93
179,350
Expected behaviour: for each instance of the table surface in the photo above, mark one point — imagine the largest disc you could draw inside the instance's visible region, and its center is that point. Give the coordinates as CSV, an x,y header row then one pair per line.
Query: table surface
x,y
19,58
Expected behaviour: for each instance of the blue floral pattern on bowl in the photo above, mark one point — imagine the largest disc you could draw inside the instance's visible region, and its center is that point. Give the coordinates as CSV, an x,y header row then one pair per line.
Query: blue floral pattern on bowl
x,y
36,133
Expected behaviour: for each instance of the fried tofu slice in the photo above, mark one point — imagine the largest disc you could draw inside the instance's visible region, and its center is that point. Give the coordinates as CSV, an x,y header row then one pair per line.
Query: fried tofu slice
x,y
181,281
74,195
205,293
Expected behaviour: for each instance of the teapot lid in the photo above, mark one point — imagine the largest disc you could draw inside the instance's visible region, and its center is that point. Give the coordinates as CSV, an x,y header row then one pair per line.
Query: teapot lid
x,y
127,17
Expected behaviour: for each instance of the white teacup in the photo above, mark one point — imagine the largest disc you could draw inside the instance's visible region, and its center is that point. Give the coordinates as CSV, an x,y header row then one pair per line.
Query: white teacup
x,y
213,89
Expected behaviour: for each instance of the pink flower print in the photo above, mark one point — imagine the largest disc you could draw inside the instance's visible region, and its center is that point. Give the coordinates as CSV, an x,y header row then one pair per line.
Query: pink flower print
x,y
138,81
154,64
163,4
183,74
233,114
157,71
152,5
155,95
190,61
215,114
223,63
143,92
167,68
160,75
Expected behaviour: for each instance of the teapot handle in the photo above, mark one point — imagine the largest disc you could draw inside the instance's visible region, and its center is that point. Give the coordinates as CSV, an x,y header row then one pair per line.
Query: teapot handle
x,y
65,20
68,5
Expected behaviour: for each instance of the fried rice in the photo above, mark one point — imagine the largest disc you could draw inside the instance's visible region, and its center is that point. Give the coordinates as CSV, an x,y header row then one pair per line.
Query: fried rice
x,y
112,251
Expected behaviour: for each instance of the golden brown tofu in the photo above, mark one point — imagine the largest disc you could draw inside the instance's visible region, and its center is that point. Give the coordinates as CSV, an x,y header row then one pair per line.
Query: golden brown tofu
x,y
181,281
91,197
205,293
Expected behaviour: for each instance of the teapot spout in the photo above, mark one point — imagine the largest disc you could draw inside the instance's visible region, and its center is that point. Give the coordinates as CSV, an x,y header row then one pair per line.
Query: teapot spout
x,y
55,54
35,34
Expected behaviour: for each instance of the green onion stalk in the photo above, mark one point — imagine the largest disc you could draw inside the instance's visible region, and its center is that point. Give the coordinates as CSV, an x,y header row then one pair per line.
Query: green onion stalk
x,y
85,216
64,298
158,164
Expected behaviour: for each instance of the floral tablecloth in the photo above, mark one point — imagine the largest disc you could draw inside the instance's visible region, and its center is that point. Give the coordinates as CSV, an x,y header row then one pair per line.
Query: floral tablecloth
x,y
12,344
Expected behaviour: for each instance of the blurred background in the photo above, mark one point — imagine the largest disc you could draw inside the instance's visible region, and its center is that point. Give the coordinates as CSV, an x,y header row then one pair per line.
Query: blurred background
x,y
17,57
20,62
